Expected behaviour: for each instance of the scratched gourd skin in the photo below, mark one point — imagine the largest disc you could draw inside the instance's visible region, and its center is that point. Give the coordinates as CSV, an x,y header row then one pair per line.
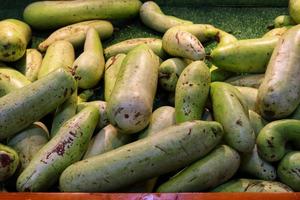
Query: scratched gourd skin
x,y
279,93
192,92
250,80
288,170
130,105
231,110
272,139
14,38
65,148
168,150
127,45
214,169
112,67
254,165
75,33
152,16
22,107
9,162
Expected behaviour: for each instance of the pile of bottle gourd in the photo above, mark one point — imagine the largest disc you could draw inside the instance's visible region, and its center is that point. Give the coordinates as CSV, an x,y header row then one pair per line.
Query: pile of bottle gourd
x,y
230,123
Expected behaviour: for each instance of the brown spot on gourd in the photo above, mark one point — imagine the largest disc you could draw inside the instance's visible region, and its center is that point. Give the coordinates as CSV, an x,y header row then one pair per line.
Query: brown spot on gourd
x,y
177,37
137,115
5,160
126,116
65,92
270,144
239,122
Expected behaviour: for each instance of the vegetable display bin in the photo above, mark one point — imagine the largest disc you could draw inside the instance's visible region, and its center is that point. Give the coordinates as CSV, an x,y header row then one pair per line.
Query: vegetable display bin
x,y
242,18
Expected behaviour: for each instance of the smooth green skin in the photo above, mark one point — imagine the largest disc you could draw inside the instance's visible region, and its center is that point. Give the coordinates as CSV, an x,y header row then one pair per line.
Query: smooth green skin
x,y
59,54
30,64
22,107
277,32
89,66
249,94
169,72
218,74
28,142
254,165
272,139
252,185
152,16
106,140
250,80
215,168
130,111
161,118
257,122
14,38
76,33
288,170
169,150
9,161
192,91
85,95
63,113
283,20
112,67
244,56
127,45
294,10
11,80
67,147
278,95
54,14
231,110
180,43
102,109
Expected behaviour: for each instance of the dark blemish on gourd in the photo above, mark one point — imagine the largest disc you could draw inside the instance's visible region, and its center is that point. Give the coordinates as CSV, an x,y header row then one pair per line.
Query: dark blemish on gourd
x,y
65,92
5,160
270,144
177,38
113,60
126,116
137,115
239,122
161,149
118,111
190,131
